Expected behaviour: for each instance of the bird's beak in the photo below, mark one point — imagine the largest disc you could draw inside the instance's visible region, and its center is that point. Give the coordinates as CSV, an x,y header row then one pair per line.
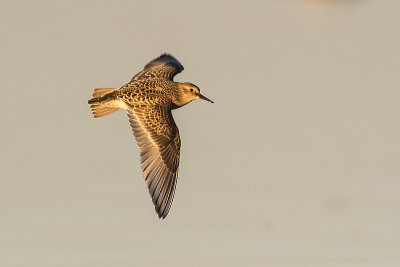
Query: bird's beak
x,y
205,98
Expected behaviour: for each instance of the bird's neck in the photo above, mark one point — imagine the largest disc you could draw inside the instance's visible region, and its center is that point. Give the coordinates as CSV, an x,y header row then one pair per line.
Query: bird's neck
x,y
179,99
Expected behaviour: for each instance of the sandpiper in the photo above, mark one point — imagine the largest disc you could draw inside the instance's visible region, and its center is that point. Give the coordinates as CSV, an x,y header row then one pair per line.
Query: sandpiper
x,y
148,99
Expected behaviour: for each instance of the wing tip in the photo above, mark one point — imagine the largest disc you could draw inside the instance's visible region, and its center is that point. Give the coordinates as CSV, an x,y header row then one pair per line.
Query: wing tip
x,y
161,214
165,54
167,59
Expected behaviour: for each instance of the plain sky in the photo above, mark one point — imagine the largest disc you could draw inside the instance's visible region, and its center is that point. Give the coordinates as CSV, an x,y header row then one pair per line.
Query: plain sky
x,y
296,163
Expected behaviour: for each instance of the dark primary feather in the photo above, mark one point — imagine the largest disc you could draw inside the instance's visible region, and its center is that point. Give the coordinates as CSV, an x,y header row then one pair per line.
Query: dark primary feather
x,y
158,139
165,67
164,59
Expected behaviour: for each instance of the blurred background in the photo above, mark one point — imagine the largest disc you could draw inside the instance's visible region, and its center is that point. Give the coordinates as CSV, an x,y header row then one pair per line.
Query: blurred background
x,y
296,163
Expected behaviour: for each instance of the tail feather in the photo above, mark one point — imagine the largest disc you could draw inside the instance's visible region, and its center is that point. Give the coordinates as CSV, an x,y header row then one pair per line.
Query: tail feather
x,y
100,106
101,111
99,92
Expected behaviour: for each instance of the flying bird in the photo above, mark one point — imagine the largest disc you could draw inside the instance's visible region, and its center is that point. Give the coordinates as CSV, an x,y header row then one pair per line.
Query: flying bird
x,y
148,100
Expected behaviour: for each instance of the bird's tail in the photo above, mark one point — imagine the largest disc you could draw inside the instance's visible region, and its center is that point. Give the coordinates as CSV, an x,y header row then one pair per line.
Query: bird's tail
x,y
103,102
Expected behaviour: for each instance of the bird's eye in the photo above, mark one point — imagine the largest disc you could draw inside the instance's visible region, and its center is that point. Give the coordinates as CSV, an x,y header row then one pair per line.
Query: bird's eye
x,y
191,90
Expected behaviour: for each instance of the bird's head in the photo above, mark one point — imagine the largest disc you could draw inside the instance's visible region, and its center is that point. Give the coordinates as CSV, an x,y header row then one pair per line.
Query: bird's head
x,y
189,92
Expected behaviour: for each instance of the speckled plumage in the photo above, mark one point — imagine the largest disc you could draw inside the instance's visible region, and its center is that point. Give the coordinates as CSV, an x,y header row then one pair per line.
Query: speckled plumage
x,y
148,99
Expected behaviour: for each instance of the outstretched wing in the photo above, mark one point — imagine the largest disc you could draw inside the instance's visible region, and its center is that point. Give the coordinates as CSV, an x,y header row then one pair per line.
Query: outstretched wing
x,y
159,143
165,67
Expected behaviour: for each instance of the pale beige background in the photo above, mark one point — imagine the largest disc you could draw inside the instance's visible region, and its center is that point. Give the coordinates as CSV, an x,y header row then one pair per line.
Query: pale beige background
x,y
296,163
